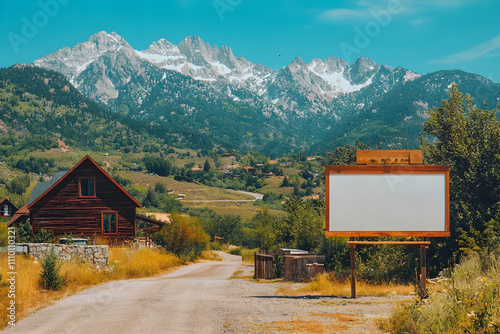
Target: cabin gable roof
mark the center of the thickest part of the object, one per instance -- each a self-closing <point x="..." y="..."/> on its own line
<point x="6" y="201"/>
<point x="45" y="187"/>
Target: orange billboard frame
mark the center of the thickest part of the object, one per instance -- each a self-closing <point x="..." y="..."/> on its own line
<point x="398" y="172"/>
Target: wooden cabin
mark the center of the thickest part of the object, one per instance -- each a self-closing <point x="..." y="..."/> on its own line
<point x="84" y="201"/>
<point x="7" y="209"/>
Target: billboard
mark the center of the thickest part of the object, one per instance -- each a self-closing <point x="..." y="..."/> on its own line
<point x="387" y="200"/>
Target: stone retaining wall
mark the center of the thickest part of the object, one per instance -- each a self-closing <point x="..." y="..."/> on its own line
<point x="96" y="255"/>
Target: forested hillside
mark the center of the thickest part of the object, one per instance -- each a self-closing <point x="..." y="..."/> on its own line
<point x="40" y="110"/>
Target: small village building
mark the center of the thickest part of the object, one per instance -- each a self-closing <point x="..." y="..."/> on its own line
<point x="84" y="201"/>
<point x="7" y="209"/>
<point x="249" y="169"/>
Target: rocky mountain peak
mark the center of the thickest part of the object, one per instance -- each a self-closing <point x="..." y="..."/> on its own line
<point x="163" y="47"/>
<point x="106" y="42"/>
<point x="72" y="62"/>
<point x="334" y="64"/>
<point x="195" y="50"/>
<point x="363" y="69"/>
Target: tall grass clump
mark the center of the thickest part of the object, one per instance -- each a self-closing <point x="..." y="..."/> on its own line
<point x="468" y="303"/>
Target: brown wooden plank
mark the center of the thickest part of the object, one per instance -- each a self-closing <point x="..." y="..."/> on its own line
<point x="381" y="169"/>
<point x="435" y="234"/>
<point x="368" y="157"/>
<point x="388" y="242"/>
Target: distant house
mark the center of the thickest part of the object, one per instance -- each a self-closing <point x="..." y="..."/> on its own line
<point x="84" y="201"/>
<point x="7" y="209"/>
<point x="249" y="169"/>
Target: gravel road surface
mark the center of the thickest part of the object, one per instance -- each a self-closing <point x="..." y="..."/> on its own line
<point x="201" y="298"/>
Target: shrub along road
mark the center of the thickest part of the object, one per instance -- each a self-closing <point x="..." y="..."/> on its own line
<point x="200" y="298"/>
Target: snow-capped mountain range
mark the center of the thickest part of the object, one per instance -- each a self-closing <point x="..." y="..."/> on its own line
<point x="317" y="81"/>
<point x="194" y="84"/>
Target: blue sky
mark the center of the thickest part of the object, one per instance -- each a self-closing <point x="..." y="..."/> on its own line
<point x="421" y="35"/>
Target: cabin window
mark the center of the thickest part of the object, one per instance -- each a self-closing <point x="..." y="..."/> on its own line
<point x="109" y="222"/>
<point x="6" y="210"/>
<point x="87" y="187"/>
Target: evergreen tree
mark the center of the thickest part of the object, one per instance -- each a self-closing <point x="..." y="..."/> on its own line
<point x="206" y="166"/>
<point x="285" y="182"/>
<point x="50" y="277"/>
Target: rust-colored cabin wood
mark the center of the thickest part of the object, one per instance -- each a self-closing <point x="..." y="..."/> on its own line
<point x="63" y="210"/>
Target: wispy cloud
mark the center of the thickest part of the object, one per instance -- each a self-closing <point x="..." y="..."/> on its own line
<point x="344" y="13"/>
<point x="364" y="8"/>
<point x="483" y="50"/>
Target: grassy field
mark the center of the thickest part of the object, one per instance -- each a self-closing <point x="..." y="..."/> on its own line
<point x="193" y="191"/>
<point x="245" y="210"/>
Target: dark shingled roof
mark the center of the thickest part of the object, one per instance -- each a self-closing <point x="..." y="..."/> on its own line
<point x="42" y="187"/>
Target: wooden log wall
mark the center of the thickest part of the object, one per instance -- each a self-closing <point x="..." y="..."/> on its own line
<point x="63" y="211"/>
<point x="264" y="266"/>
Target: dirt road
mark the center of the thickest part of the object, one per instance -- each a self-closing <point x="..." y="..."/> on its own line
<point x="201" y="298"/>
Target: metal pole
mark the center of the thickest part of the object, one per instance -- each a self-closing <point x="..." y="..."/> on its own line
<point x="353" y="270"/>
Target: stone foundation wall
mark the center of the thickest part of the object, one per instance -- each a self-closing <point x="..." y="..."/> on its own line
<point x="96" y="255"/>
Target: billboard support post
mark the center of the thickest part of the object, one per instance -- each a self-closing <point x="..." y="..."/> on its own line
<point x="423" y="270"/>
<point x="353" y="270"/>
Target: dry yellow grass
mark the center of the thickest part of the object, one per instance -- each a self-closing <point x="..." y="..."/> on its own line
<point x="339" y="323"/>
<point x="323" y="286"/>
<point x="210" y="255"/>
<point x="124" y="264"/>
<point x="142" y="262"/>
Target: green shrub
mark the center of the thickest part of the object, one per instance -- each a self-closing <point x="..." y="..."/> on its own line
<point x="247" y="255"/>
<point x="43" y="236"/>
<point x="23" y="232"/>
<point x="19" y="184"/>
<point x="235" y="251"/>
<point x="50" y="277"/>
<point x="183" y="236"/>
<point x="214" y="245"/>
